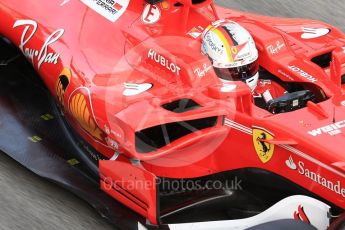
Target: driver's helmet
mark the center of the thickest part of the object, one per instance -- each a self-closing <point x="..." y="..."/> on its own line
<point x="232" y="52"/>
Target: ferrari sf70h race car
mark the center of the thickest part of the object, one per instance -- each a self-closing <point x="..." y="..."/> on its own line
<point x="148" y="117"/>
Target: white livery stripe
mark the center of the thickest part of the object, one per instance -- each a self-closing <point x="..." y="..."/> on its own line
<point x="233" y="122"/>
<point x="238" y="126"/>
<point x="249" y="131"/>
<point x="239" y="130"/>
<point x="309" y="158"/>
<point x="317" y="216"/>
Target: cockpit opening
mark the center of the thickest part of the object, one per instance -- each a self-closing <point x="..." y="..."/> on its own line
<point x="296" y="95"/>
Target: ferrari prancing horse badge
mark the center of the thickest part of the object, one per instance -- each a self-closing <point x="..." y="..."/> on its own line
<point x="263" y="149"/>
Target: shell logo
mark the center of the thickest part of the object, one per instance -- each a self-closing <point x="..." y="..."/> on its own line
<point x="80" y="110"/>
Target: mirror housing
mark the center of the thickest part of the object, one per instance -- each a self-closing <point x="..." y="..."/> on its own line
<point x="237" y="90"/>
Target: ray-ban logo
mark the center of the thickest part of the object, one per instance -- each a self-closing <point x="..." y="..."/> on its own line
<point x="43" y="54"/>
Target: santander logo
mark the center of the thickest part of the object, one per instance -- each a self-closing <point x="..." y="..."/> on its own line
<point x="290" y="163"/>
<point x="301" y="215"/>
<point x="335" y="186"/>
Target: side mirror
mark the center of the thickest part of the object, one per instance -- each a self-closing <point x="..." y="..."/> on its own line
<point x="338" y="58"/>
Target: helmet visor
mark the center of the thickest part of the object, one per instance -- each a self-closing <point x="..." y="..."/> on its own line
<point x="241" y="73"/>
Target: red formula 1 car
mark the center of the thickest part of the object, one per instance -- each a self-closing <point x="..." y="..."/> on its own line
<point x="161" y="129"/>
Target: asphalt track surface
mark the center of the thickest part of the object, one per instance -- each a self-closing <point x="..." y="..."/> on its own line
<point x="29" y="202"/>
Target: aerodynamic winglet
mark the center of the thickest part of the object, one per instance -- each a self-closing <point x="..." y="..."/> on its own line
<point x="277" y="141"/>
<point x="340" y="165"/>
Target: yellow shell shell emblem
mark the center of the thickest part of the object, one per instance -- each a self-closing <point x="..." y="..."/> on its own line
<point x="263" y="149"/>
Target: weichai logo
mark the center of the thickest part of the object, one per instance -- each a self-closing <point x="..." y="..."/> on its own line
<point x="332" y="129"/>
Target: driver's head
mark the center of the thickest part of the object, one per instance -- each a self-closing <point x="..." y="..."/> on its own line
<point x="232" y="51"/>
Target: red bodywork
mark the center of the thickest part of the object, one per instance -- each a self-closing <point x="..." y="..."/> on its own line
<point x="88" y="62"/>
